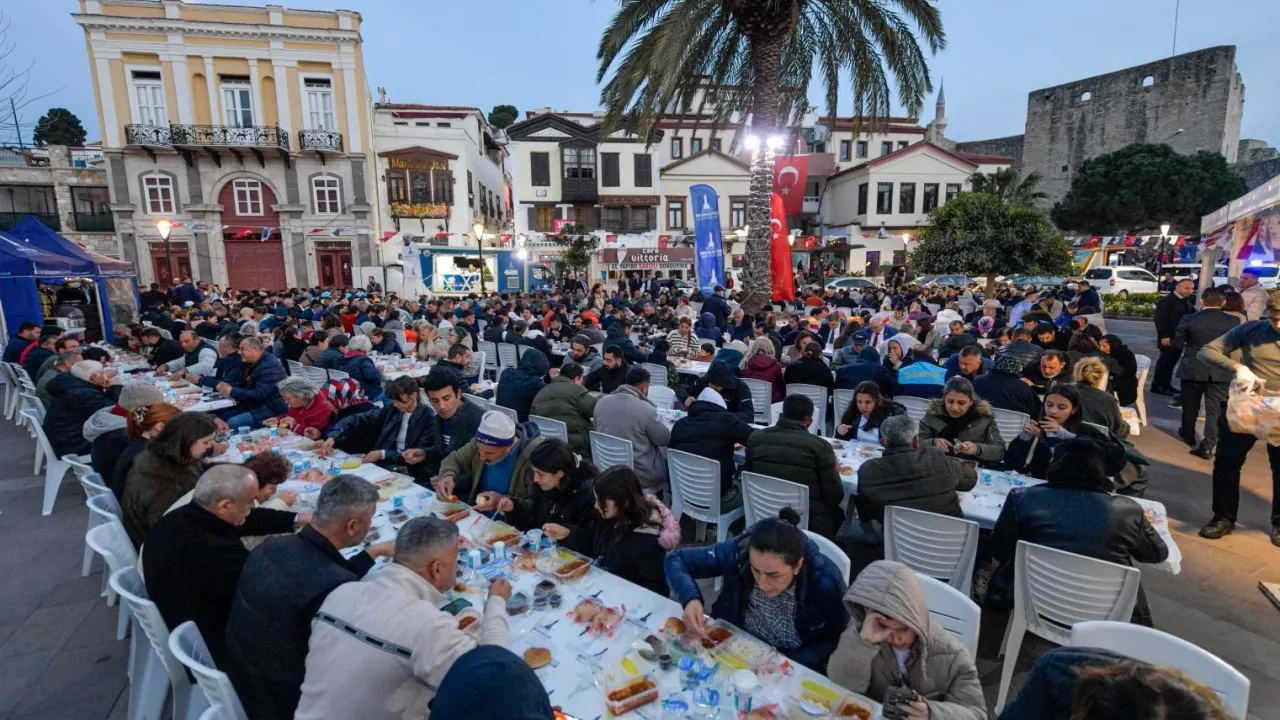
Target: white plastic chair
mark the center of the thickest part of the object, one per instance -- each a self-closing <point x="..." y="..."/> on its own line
<point x="953" y="610"/>
<point x="215" y="713"/>
<point x="832" y="552"/>
<point x="93" y="486"/>
<point x="939" y="546"/>
<point x="695" y="491"/>
<point x="551" y="427"/>
<point x="338" y="375"/>
<point x="1053" y="590"/>
<point x="1144" y="365"/>
<point x="318" y="377"/>
<point x="507" y="356"/>
<point x="662" y="396"/>
<point x="30" y="401"/>
<point x="840" y="401"/>
<point x="608" y="451"/>
<point x="818" y="395"/>
<point x="657" y="374"/>
<point x="488" y="353"/>
<point x="188" y="647"/>
<point x="1161" y="648"/>
<point x="55" y="469"/>
<point x="110" y="541"/>
<point x="402" y="341"/>
<point x="11" y="386"/>
<point x="1010" y="423"/>
<point x="295" y="368"/>
<point x="763" y="496"/>
<point x="761" y="399"/>
<point x="515" y="417"/>
<point x="476" y="400"/>
<point x="147" y="688"/>
<point x="916" y="407"/>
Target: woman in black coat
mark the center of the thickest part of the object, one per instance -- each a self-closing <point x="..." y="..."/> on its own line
<point x="562" y="501"/>
<point x="625" y="538"/>
<point x="810" y="369"/>
<point x="1032" y="450"/>
<point x="1124" y="383"/>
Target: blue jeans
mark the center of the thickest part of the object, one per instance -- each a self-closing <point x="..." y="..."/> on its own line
<point x="240" y="420"/>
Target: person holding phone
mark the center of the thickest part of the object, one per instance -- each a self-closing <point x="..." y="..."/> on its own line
<point x="1031" y="451"/>
<point x="894" y="654"/>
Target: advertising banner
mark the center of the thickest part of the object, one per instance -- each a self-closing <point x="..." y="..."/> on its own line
<point x="706" y="231"/>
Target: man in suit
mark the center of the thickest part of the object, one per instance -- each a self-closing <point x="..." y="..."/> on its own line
<point x="1169" y="312"/>
<point x="1199" y="378"/>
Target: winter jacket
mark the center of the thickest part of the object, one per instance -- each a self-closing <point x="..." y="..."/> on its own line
<point x="153" y="484"/>
<point x="329" y="359"/>
<point x="737" y="398"/>
<point x="379" y="429"/>
<point x="389" y="346"/>
<point x="1031" y="455"/>
<point x="711" y="431"/>
<point x="939" y="667"/>
<point x="122" y="465"/>
<point x="1100" y="407"/>
<point x="718" y="309"/>
<point x="34" y="359"/>
<point x="74" y="401"/>
<point x="1078" y="520"/>
<point x="165" y="352"/>
<point x="853" y="418"/>
<point x="467" y="469"/>
<point x="684" y="347"/>
<point x="1007" y="392"/>
<point x="1040" y="383"/>
<point x="104" y="420"/>
<point x="953" y="368"/>
<point x="255" y="389"/>
<point x="981" y="430"/>
<point x="460" y="431"/>
<point x="923" y="479"/>
<point x="637" y="556"/>
<point x="866" y="367"/>
<point x="571" y="505"/>
<point x="810" y="372"/>
<point x="14" y="348"/>
<point x="706" y="329"/>
<point x="519" y="386"/>
<point x="630" y="353"/>
<point x="1025" y="352"/>
<point x="590" y="362"/>
<point x="626" y="413"/>
<point x="820" y="613"/>
<point x="310" y="356"/>
<point x="572" y="404"/>
<point x="42" y="388"/>
<point x="1048" y="693"/>
<point x="606" y="380"/>
<point x="788" y="451"/>
<point x="361" y="369"/>
<point x="282" y="586"/>
<point x="768" y="369"/>
<point x="319" y="414"/>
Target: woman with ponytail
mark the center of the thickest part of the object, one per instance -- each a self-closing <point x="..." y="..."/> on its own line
<point x="631" y="531"/>
<point x="777" y="586"/>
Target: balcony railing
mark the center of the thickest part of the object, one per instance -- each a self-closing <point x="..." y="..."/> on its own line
<point x="9" y="219"/>
<point x="256" y="136"/>
<point x="320" y="140"/>
<point x="95" y="222"/>
<point x="148" y="135"/>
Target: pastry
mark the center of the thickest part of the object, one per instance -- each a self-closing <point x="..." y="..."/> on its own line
<point x="537" y="657"/>
<point x="674" y="626"/>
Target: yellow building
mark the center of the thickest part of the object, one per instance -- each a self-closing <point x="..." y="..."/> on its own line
<point x="247" y="126"/>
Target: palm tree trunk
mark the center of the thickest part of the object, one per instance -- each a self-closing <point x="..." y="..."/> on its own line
<point x="766" y="58"/>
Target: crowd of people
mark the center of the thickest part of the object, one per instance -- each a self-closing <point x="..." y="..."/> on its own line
<point x="280" y="616"/>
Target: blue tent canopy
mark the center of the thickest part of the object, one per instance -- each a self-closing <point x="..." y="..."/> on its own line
<point x="19" y="259"/>
<point x="42" y="236"/>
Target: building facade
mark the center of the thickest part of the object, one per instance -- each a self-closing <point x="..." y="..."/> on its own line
<point x="248" y="127"/>
<point x="64" y="188"/>
<point x="440" y="169"/>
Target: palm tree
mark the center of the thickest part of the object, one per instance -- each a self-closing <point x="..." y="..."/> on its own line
<point x="1007" y="186"/>
<point x="759" y="56"/>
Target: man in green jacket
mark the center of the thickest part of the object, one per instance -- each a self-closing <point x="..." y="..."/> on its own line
<point x="788" y="451"/>
<point x="565" y="399"/>
<point x="491" y="469"/>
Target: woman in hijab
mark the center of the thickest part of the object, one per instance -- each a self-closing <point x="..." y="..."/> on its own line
<point x="707" y="329"/>
<point x="1124" y="383"/>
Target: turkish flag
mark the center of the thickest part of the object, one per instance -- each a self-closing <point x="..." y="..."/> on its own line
<point x="782" y="277"/>
<point x="663" y="240"/>
<point x="790" y="175"/>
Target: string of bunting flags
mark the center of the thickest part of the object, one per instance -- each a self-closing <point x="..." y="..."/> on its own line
<point x="1090" y="242"/>
<point x="265" y="232"/>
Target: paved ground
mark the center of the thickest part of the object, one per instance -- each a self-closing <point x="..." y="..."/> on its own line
<point x="59" y="657"/>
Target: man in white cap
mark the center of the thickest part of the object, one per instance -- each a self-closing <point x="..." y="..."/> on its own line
<point x="491" y="469"/>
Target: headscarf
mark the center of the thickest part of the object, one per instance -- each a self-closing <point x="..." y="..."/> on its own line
<point x="343" y="394"/>
<point x="1007" y="364"/>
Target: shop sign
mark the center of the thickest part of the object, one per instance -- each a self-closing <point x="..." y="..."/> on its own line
<point x="647" y="258"/>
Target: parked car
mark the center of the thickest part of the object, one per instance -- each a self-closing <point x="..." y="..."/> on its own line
<point x="850" y="283"/>
<point x="942" y="280"/>
<point x="1183" y="271"/>
<point x="1121" y="280"/>
<point x="1038" y="281"/>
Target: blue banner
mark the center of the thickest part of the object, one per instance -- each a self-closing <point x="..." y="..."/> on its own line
<point x="705" y="207"/>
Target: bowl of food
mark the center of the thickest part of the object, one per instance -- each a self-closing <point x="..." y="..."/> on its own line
<point x="498" y="532"/>
<point x="631" y="693"/>
<point x="453" y="512"/>
<point x="563" y="565"/>
<point x="469" y="622"/>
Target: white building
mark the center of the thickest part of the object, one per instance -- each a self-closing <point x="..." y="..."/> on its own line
<point x="439" y="170"/>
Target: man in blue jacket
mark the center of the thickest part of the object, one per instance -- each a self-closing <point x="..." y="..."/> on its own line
<point x="27" y="333"/>
<point x="254" y="390"/>
<point x="719" y="309"/>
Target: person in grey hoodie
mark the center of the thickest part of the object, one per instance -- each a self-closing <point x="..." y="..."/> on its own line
<point x="891" y="641"/>
<point x="628" y="413"/>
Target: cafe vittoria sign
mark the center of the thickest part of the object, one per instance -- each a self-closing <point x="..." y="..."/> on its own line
<point x="647" y="258"/>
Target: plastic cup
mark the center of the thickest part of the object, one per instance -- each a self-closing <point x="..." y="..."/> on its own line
<point x="499" y="551"/>
<point x="533" y="539"/>
<point x="744" y="684"/>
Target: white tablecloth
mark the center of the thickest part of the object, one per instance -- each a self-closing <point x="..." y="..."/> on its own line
<point x="692" y="367"/>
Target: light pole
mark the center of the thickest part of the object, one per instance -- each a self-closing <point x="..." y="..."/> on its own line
<point x="165" y="227"/>
<point x="1164" y="234"/>
<point x="477" y="228"/>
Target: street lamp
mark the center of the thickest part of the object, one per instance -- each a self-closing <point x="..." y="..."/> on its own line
<point x="1164" y="233"/>
<point x="165" y="227"/>
<point x="477" y="229"/>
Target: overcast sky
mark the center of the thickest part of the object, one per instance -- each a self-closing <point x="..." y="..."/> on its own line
<point x="537" y="53"/>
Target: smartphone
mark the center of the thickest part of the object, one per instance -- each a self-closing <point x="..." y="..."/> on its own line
<point x="456" y="606"/>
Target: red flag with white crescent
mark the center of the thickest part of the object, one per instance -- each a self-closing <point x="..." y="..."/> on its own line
<point x="790" y="176"/>
<point x="782" y="276"/>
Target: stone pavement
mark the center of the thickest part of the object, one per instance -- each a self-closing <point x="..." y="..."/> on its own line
<point x="59" y="657"/>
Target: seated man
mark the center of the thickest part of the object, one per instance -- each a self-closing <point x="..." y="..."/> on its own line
<point x="1053" y="368"/>
<point x="567" y="400"/>
<point x="226" y="368"/>
<point x="43" y="349"/>
<point x="612" y="374"/>
<point x="76" y="395"/>
<point x="628" y="413"/>
<point x="64" y="344"/>
<point x="62" y="363"/>
<point x="384" y="342"/>
<point x="711" y="431"/>
<point x="968" y="363"/>
<point x="254" y="389"/>
<point x="396" y="436"/>
<point x="193" y="556"/>
<point x="162" y="349"/>
<point x="198" y="357"/>
<point x="909" y="475"/>
<point x="493" y="467"/>
<point x="460" y="360"/>
<point x="348" y="677"/>
<point x="281" y="587"/>
<point x="788" y="451"/>
<point x="28" y="333"/>
<point x="582" y="353"/>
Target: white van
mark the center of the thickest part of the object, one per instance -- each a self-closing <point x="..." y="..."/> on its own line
<point x="1121" y="280"/>
<point x="1184" y="271"/>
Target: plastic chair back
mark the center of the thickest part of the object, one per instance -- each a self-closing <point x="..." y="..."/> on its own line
<point x="128" y="585"/>
<point x="1055" y="589"/>
<point x="490" y="359"/>
<point x="94" y="486"/>
<point x="916" y="407"/>
<point x="608" y="451"/>
<point x="403" y="341"/>
<point x="939" y="546"/>
<point x="1010" y="423"/>
<point x="761" y="399"/>
<point x="818" y="395"/>
<point x="515" y="417"/>
<point x="31" y="402"/>
<point x="295" y="368"/>
<point x="110" y="541"/>
<point x="763" y="496"/>
<point x="105" y="507"/>
<point x="476" y="400"/>
<point x="662" y="396"/>
<point x="832" y="552"/>
<point x="338" y="375"/>
<point x="36" y="425"/>
<point x="215" y="713"/>
<point x="695" y="486"/>
<point x="521" y="350"/>
<point x="952" y="609"/>
<point x="1161" y="648"/>
<point x="507" y="356"/>
<point x="551" y="427"/>
<point x="317" y="376"/>
<point x="188" y="647"/>
<point x="657" y="374"/>
<point x="840" y="401"/>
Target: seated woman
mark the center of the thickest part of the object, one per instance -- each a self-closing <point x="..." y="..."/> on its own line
<point x="383" y="342"/>
<point x="1031" y="451"/>
<point x="1097" y="405"/>
<point x="360" y="367"/>
<point x="166" y="469"/>
<point x="561" y="501"/>
<point x="307" y="408"/>
<point x="892" y="642"/>
<point x="1074" y="511"/>
<point x="395" y="436"/>
<point x="862" y="418"/>
<point x="430" y="345"/>
<point x="707" y="330"/>
<point x="777" y="586"/>
<point x="1125" y="383"/>
<point x="684" y="343"/>
<point x="760" y="364"/>
<point x="962" y="424"/>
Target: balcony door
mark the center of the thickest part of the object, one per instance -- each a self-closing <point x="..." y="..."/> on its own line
<point x="320" y="104"/>
<point x="237" y="103"/>
<point x="148" y="98"/>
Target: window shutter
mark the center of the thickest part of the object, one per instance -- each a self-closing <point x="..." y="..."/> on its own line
<point x="609" y="170"/>
<point x="533" y="219"/>
<point x="643" y="171"/>
<point x="540" y="165"/>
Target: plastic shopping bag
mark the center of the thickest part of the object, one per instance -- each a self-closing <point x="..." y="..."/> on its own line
<point x="1254" y="411"/>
